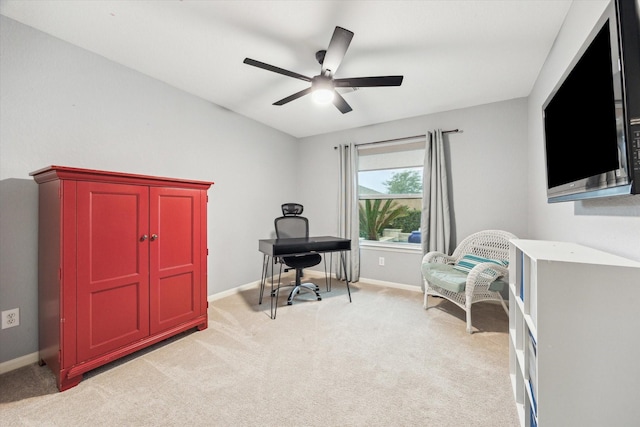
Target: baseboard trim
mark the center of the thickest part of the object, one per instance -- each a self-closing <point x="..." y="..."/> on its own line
<point x="19" y="362"/>
<point x="255" y="284"/>
<point x="232" y="291"/>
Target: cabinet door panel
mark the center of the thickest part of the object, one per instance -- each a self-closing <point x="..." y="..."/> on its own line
<point x="174" y="256"/>
<point x="113" y="269"/>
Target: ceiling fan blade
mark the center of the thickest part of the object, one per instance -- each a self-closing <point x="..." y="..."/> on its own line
<point x="275" y="69"/>
<point x="293" y="97"/>
<point x="369" y="81"/>
<point x="337" y="49"/>
<point x="340" y="103"/>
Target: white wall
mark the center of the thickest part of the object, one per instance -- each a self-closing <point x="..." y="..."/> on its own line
<point x="613" y="224"/>
<point x="62" y="105"/>
<point x="488" y="177"/>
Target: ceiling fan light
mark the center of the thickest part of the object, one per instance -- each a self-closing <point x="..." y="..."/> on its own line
<point x="323" y="96"/>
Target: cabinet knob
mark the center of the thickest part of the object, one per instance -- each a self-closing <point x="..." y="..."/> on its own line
<point x="144" y="237"/>
<point x="154" y="237"/>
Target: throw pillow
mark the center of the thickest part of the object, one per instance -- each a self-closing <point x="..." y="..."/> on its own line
<point x="467" y="262"/>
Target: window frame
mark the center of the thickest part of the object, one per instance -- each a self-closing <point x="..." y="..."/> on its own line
<point x="397" y="146"/>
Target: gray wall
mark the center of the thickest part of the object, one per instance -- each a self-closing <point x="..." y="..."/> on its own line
<point x="611" y="225"/>
<point x="62" y="105"/>
<point x="488" y="177"/>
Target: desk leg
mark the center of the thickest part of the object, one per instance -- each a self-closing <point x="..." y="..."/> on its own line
<point x="266" y="261"/>
<point x="274" y="308"/>
<point x="327" y="276"/>
<point x="273" y="314"/>
<point x="263" y="279"/>
<point x="344" y="268"/>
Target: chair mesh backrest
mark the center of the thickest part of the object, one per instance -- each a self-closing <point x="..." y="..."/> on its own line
<point x="291" y="226"/>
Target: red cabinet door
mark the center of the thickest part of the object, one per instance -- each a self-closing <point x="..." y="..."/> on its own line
<point x="113" y="268"/>
<point x="175" y="256"/>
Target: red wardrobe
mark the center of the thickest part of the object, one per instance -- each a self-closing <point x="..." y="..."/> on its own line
<point x="122" y="264"/>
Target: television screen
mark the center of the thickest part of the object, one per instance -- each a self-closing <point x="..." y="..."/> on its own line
<point x="580" y="120"/>
<point x="592" y="117"/>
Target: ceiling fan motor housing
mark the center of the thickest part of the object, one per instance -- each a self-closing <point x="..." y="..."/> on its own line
<point x="322" y="82"/>
<point x="323" y="89"/>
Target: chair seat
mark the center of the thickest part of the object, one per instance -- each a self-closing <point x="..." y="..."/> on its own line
<point x="302" y="261"/>
<point x="446" y="277"/>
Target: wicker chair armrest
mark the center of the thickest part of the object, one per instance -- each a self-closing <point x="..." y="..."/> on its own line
<point x="483" y="274"/>
<point x="435" y="257"/>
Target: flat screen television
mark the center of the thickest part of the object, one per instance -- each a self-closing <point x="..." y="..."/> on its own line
<point x="592" y="117"/>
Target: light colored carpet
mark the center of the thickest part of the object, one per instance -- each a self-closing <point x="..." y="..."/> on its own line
<point x="381" y="360"/>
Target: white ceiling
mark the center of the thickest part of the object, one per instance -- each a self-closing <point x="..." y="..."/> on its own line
<point x="453" y="54"/>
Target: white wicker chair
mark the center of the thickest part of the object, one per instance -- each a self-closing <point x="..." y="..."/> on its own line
<point x="481" y="283"/>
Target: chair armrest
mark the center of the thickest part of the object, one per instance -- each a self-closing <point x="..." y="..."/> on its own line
<point x="483" y="274"/>
<point x="436" y="257"/>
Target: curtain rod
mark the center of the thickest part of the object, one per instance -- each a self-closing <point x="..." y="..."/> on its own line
<point x="406" y="137"/>
<point x="400" y="139"/>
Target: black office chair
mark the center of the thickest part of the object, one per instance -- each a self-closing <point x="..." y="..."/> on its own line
<point x="291" y="224"/>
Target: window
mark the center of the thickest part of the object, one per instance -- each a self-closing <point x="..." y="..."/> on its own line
<point x="390" y="191"/>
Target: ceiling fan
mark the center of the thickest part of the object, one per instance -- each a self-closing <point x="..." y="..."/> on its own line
<point x="323" y="86"/>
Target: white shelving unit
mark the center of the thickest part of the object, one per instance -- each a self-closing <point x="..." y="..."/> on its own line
<point x="574" y="327"/>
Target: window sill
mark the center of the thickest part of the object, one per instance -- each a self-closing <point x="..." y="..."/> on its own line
<point x="391" y="246"/>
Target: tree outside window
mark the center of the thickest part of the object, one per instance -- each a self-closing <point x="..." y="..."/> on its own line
<point x="391" y="210"/>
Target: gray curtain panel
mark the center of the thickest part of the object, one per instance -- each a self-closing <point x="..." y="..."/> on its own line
<point x="348" y="216"/>
<point x="436" y="218"/>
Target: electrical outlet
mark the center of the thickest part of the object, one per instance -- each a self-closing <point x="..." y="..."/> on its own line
<point x="10" y="318"/>
<point x="381" y="261"/>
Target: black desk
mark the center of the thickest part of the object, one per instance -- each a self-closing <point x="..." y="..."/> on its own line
<point x="276" y="248"/>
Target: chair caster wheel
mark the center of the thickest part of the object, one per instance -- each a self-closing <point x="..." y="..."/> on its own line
<point x="289" y="302"/>
<point x="319" y="298"/>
